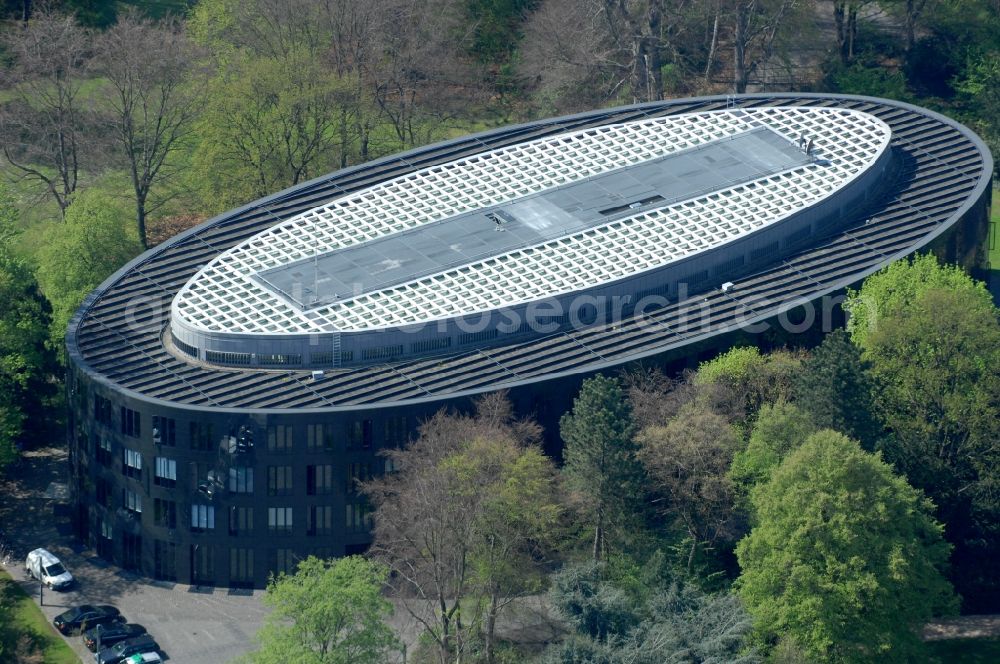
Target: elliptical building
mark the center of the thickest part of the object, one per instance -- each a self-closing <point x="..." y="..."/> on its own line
<point x="230" y="387"/>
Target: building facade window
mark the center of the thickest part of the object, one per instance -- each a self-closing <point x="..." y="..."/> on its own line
<point x="321" y="437"/>
<point x="202" y="518"/>
<point x="131" y="423"/>
<point x="203" y="564"/>
<point x="279" y="480"/>
<point x="279" y="520"/>
<point x="279" y="439"/>
<point x="240" y="521"/>
<point x="164" y="431"/>
<point x="356" y="474"/>
<point x="164" y="560"/>
<point x="131" y="463"/>
<point x="103" y="489"/>
<point x="359" y="435"/>
<point x="164" y="513"/>
<point x="396" y="432"/>
<point x="283" y="561"/>
<point x="319" y="479"/>
<point x="241" y="480"/>
<point x="201" y="436"/>
<point x="102" y="410"/>
<point x="131" y="551"/>
<point x="390" y="465"/>
<point x="103" y="450"/>
<point x="319" y="520"/>
<point x="165" y="474"/>
<point x="240" y="567"/>
<point x="358" y="518"/>
<point x="132" y="502"/>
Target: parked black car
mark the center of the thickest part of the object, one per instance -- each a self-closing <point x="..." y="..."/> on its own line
<point x="86" y="616"/>
<point x="111" y="634"/>
<point x="117" y="653"/>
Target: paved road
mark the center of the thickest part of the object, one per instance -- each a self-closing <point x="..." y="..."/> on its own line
<point x="193" y="625"/>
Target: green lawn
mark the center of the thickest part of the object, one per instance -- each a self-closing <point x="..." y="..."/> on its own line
<point x="19" y="615"/>
<point x="966" y="651"/>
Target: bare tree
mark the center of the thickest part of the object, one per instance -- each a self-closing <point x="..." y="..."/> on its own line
<point x="44" y="125"/>
<point x="757" y="25"/>
<point x="845" y="18"/>
<point x="424" y="78"/>
<point x="462" y="519"/>
<point x="153" y="98"/>
<point x="592" y="51"/>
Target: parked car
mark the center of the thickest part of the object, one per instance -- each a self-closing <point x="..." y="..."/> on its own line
<point x="144" y="658"/>
<point x="111" y="634"/>
<point x="121" y="651"/>
<point x="42" y="565"/>
<point x="86" y="616"/>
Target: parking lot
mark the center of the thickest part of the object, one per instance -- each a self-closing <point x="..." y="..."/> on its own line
<point x="193" y="625"/>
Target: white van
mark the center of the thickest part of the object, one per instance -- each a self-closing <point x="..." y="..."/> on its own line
<point x="42" y="565"/>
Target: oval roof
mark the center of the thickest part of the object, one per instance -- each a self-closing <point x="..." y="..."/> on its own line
<point x="530" y="221"/>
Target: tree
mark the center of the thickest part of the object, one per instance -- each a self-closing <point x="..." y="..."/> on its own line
<point x="934" y="352"/>
<point x="600" y="463"/>
<point x="518" y="524"/>
<point x="675" y="623"/>
<point x="45" y="127"/>
<point x="780" y="428"/>
<point x="95" y="241"/>
<point x="463" y="523"/>
<point x="758" y="25"/>
<point x="25" y="362"/>
<point x="895" y="287"/>
<point x="834" y="388"/>
<point x="845" y="18"/>
<point x="589" y="53"/>
<point x="153" y="99"/>
<point x="743" y="380"/>
<point x="687" y="462"/>
<point x="327" y="612"/>
<point x="275" y="111"/>
<point x="845" y="558"/>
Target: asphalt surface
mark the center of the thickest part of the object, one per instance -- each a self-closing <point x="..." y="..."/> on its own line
<point x="193" y="625"/>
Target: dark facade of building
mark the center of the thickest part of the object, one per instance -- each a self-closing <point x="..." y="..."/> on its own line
<point x="218" y="476"/>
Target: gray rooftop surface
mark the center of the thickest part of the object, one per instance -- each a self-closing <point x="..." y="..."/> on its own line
<point x="566" y="210"/>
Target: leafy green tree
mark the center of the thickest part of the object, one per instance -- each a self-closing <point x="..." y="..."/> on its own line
<point x="517" y="522"/>
<point x="979" y="88"/>
<point x="270" y="123"/>
<point x="744" y="379"/>
<point x="97" y="239"/>
<point x="327" y="612"/>
<point x="845" y="558"/>
<point x="835" y="390"/>
<point x="26" y="364"/>
<point x="935" y="363"/>
<point x="779" y="429"/>
<point x="687" y="462"/>
<point x="600" y="464"/>
<point x="895" y="287"/>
